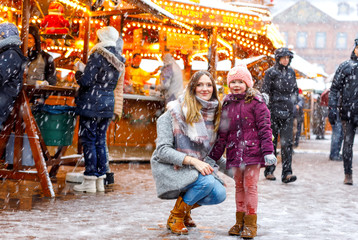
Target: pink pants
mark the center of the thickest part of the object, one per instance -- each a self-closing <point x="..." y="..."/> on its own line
<point x="246" y="188"/>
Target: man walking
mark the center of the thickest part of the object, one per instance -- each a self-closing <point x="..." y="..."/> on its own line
<point x="345" y="84"/>
<point x="281" y="87"/>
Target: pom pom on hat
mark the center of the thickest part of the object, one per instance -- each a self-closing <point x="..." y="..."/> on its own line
<point x="108" y="34"/>
<point x="240" y="72"/>
<point x="8" y="30"/>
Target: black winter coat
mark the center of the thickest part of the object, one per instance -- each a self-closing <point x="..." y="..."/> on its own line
<point x="281" y="87"/>
<point x="345" y="82"/>
<point x="12" y="66"/>
<point x="97" y="83"/>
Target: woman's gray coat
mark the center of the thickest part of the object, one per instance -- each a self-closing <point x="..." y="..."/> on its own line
<point x="169" y="181"/>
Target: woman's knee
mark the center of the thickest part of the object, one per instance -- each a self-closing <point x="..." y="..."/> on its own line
<point x="207" y="182"/>
<point x="220" y="193"/>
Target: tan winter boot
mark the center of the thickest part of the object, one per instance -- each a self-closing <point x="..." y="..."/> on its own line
<point x="88" y="185"/>
<point x="100" y="183"/>
<point x="348" y="180"/>
<point x="176" y="219"/>
<point x="250" y="226"/>
<point x="237" y="228"/>
<point x="188" y="221"/>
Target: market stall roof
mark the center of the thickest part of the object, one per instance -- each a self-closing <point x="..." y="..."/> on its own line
<point x="216" y="13"/>
<point x="302" y="67"/>
<point x="146" y="6"/>
<point x="309" y="84"/>
<point x="248" y="26"/>
<point x="306" y="68"/>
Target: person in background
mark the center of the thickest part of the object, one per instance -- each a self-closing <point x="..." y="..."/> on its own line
<point x="41" y="66"/>
<point x="343" y="101"/>
<point x="135" y="75"/>
<point x="118" y="107"/>
<point x="298" y="119"/>
<point x="185" y="134"/>
<point x="336" y="138"/>
<point x="319" y="119"/>
<point x="12" y="66"/>
<point x="171" y="79"/>
<point x="95" y="105"/>
<point x="245" y="132"/>
<point x="281" y="87"/>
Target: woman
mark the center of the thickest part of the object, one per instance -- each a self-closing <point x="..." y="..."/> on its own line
<point x="12" y="66"/>
<point x="185" y="134"/>
<point x="171" y="79"/>
<point x="95" y="104"/>
<point x="41" y="66"/>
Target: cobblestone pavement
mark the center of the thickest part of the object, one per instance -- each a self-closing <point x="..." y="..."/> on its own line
<point x="317" y="206"/>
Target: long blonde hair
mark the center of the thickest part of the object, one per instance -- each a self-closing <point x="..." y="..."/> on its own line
<point x="193" y="104"/>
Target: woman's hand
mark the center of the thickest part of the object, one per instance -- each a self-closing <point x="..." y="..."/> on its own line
<point x="203" y="167"/>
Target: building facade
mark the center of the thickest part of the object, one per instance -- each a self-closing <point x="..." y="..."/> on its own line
<point x="322" y="32"/>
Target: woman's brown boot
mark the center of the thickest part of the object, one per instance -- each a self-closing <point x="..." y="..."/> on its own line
<point x="237" y="228"/>
<point x="176" y="219"/>
<point x="250" y="226"/>
<point x="188" y="221"/>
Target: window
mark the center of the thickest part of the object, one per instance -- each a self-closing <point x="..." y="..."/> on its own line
<point x="285" y="37"/>
<point x="341" y="41"/>
<point x="320" y="40"/>
<point x="301" y="40"/>
<point x="343" y="9"/>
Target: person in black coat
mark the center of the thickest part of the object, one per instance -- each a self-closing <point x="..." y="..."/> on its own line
<point x="12" y="66"/>
<point x="41" y="66"/>
<point x="281" y="87"/>
<point x="298" y="117"/>
<point x="343" y="100"/>
<point x="95" y="105"/>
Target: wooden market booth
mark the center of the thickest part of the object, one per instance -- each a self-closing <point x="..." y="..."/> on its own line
<point x="68" y="46"/>
<point x="190" y="31"/>
<point x="198" y="32"/>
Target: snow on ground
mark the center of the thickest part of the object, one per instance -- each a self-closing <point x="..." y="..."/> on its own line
<point x="317" y="206"/>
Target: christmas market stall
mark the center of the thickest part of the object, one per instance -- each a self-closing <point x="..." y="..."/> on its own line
<point x="67" y="29"/>
<point x="200" y="33"/>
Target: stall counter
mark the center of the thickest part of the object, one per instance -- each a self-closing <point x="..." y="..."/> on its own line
<point x="137" y="127"/>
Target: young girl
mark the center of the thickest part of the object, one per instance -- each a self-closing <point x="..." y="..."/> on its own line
<point x="245" y="132"/>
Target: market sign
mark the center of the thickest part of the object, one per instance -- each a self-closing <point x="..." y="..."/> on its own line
<point x="183" y="42"/>
<point x="204" y="16"/>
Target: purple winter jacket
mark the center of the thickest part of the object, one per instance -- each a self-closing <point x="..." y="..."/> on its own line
<point x="245" y="132"/>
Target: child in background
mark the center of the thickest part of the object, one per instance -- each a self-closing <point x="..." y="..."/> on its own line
<point x="245" y="132"/>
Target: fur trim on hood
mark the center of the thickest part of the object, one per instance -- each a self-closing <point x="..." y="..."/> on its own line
<point x="10" y="41"/>
<point x="111" y="58"/>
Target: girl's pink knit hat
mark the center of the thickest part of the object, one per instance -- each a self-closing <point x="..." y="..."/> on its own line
<point x="240" y="72"/>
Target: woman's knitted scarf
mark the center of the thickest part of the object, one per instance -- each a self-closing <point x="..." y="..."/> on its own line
<point x="193" y="139"/>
